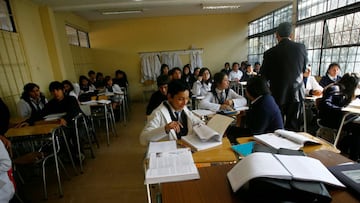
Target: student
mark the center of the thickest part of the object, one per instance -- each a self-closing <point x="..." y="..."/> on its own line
<point x="203" y="85"/>
<point x="332" y="75"/>
<point x="164" y="70"/>
<point x="175" y="73"/>
<point x="92" y="76"/>
<point x="159" y="96"/>
<point x="99" y="84"/>
<point x="194" y="76"/>
<point x="257" y="67"/>
<point x="336" y="96"/>
<point x="312" y="87"/>
<point x="186" y="75"/>
<point x="172" y="119"/>
<point x="31" y="101"/>
<point x="221" y="96"/>
<point x="4" y="124"/>
<point x="85" y="85"/>
<point x="60" y="103"/>
<point x="69" y="88"/>
<point x="226" y="68"/>
<point x="235" y="74"/>
<point x="7" y="188"/>
<point x="121" y="79"/>
<point x="110" y="87"/>
<point x="249" y="72"/>
<point x="263" y="116"/>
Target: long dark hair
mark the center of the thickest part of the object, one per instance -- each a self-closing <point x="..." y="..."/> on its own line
<point x="348" y="84"/>
<point x="202" y="71"/>
<point x="26" y="93"/>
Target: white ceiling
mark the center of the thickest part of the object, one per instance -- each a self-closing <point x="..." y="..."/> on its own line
<point x="90" y="9"/>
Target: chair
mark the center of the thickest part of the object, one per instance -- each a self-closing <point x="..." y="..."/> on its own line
<point x="80" y="117"/>
<point x="41" y="158"/>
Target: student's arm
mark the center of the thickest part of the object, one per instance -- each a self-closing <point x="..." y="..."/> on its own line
<point x="196" y="88"/>
<point x="23" y="109"/>
<point x="238" y="100"/>
<point x="5" y="161"/>
<point x="209" y="103"/>
<point x="154" y="130"/>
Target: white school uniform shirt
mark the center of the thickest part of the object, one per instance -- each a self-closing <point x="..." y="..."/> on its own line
<point x="24" y="109"/>
<point x="116" y="89"/>
<point x="200" y="89"/>
<point x="210" y="102"/>
<point x="154" y="129"/>
<point x="312" y="84"/>
<point x="235" y="75"/>
<point x="7" y="189"/>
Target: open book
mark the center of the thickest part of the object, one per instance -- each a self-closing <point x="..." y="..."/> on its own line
<point x="278" y="166"/>
<point x="171" y="166"/>
<point x="284" y="139"/>
<point x="210" y="135"/>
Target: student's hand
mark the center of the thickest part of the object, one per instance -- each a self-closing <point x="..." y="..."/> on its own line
<point x="63" y="122"/>
<point x="22" y="124"/>
<point x="173" y="125"/>
<point x="225" y="107"/>
<point x="316" y="92"/>
<point x="229" y="102"/>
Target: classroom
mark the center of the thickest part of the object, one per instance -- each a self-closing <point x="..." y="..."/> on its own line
<point x="42" y="41"/>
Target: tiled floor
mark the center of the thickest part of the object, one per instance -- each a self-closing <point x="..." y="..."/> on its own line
<point x="115" y="175"/>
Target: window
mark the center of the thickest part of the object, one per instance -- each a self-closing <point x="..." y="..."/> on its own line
<point x="261" y="32"/>
<point x="310" y="8"/>
<point x="77" y="37"/>
<point x="6" y="18"/>
<point x="333" y="35"/>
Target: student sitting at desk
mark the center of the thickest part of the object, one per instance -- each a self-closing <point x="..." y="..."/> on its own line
<point x="31" y="101"/>
<point x="312" y="87"/>
<point x="249" y="72"/>
<point x="85" y="85"/>
<point x="60" y="103"/>
<point x="236" y="74"/>
<point x="172" y="119"/>
<point x="263" y="116"/>
<point x="335" y="97"/>
<point x="221" y="96"/>
<point x="159" y="96"/>
<point x="203" y="84"/>
<point x="69" y="88"/>
<point x="332" y="75"/>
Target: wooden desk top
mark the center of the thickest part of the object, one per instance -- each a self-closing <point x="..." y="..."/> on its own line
<point x="219" y="154"/>
<point x="31" y="130"/>
<point x="308" y="148"/>
<point x="213" y="185"/>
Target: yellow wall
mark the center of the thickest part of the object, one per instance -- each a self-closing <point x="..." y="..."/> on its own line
<point x="76" y="59"/>
<point x="116" y="43"/>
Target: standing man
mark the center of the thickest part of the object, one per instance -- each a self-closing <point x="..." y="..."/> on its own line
<point x="283" y="67"/>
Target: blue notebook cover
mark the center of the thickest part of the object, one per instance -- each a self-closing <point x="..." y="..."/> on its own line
<point x="244" y="149"/>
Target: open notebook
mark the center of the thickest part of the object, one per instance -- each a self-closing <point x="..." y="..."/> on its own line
<point x="209" y="135"/>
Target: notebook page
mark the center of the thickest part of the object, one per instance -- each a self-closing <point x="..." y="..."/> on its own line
<point x="256" y="165"/>
<point x="307" y="168"/>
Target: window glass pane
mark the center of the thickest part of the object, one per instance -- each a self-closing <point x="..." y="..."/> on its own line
<point x="5" y="17"/>
<point x="72" y="36"/>
<point x="310" y="8"/>
<point x="83" y="37"/>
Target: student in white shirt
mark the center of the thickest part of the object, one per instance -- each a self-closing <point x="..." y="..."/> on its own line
<point x="171" y="119"/>
<point x="235" y="74"/>
<point x="31" y="101"/>
<point x="221" y="96"/>
<point x="7" y="189"/>
<point x="203" y="84"/>
<point x="69" y="88"/>
<point x="312" y="87"/>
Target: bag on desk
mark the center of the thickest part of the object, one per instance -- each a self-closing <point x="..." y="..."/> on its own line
<point x="278" y="190"/>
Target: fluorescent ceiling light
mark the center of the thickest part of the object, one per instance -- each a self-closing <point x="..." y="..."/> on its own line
<point x="215" y="7"/>
<point x="120" y="12"/>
